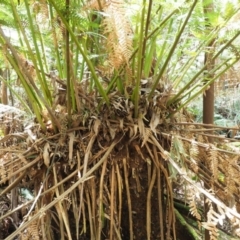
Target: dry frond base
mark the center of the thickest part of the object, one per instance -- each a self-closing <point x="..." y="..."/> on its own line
<point x="107" y="175"/>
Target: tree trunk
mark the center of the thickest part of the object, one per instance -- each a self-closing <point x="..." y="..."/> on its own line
<point x="4" y="96"/>
<point x="208" y="96"/>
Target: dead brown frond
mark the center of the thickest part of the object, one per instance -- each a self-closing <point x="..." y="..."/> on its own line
<point x="118" y="30"/>
<point x="32" y="231"/>
<point x="104" y="170"/>
<point x="40" y="9"/>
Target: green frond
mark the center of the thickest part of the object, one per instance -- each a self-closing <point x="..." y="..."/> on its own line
<point x="6" y="18"/>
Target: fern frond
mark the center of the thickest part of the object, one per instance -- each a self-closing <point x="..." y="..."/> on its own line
<point x="229" y="175"/>
<point x="40" y="9"/>
<point x="192" y="205"/>
<point x="213" y="162"/>
<point x="96" y="4"/>
<point x="32" y="232"/>
<point x="118" y="30"/>
<point x="213" y="218"/>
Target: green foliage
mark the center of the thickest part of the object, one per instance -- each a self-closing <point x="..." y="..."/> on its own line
<point x="169" y="43"/>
